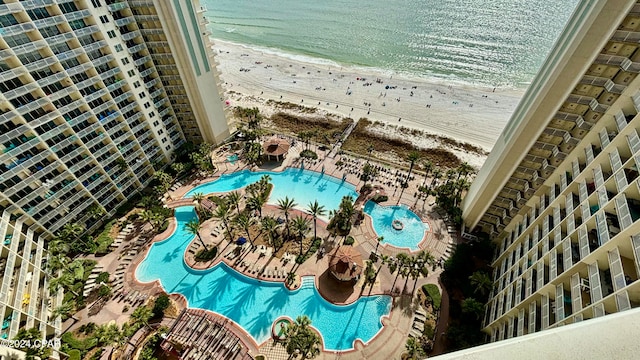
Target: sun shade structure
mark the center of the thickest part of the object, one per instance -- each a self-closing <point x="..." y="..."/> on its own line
<point x="277" y="148"/>
<point x="346" y="264"/>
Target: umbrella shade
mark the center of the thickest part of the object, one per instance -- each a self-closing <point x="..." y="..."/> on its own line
<point x="241" y="240"/>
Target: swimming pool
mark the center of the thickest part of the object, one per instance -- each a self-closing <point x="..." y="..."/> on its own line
<point x="254" y="304"/>
<point x="413" y="229"/>
<point x="304" y="186"/>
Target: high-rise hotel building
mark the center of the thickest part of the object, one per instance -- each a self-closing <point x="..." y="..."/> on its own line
<point x="94" y="97"/>
<point x="560" y="194"/>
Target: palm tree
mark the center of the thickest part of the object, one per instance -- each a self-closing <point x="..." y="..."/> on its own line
<point x="437" y="174"/>
<point x="145" y="215"/>
<point x="473" y="307"/>
<point x="315" y="210"/>
<point x="198" y="197"/>
<point x="256" y="202"/>
<point x="245" y="222"/>
<point x="222" y="214"/>
<point x="270" y="225"/>
<point x="285" y="205"/>
<point x="233" y="198"/>
<point x="450" y="175"/>
<point x="301" y="339"/>
<point x="412" y="158"/>
<point x="368" y="173"/>
<point x="63" y="310"/>
<point x="427" y="166"/>
<point x="141" y="315"/>
<point x="301" y="226"/>
<point x="464" y="169"/>
<point x="193" y="227"/>
<point x="65" y="281"/>
<point x="414" y="349"/>
<point x="482" y="282"/>
<point x="379" y="240"/>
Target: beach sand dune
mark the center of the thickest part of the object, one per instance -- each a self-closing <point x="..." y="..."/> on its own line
<point x="466" y="113"/>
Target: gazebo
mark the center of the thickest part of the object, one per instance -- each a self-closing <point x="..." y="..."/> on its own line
<point x="277" y="148"/>
<point x="346" y="264"/>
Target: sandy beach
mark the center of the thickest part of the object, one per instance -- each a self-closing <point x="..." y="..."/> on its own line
<point x="466" y="113"/>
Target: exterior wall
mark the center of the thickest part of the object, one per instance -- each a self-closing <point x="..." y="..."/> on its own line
<point x="88" y="111"/>
<point x="191" y="55"/>
<point x="559" y="194"/>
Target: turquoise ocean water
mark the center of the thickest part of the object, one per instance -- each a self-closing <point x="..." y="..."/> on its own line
<point x="485" y="42"/>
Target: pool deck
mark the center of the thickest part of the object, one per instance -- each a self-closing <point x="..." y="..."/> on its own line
<point x="389" y="343"/>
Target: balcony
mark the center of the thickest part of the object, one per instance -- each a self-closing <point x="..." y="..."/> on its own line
<point x="50" y="21"/>
<point x="36" y="65"/>
<point x="142" y="60"/>
<point x="117" y="6"/>
<point x="22" y="90"/>
<point x="10" y="8"/>
<point x="630" y="66"/>
<point x="11" y="74"/>
<point x="124" y="21"/>
<point x="130" y="35"/>
<point x="136" y="48"/>
<point x="17" y="29"/>
<point x="95" y="46"/>
<point x="92" y="29"/>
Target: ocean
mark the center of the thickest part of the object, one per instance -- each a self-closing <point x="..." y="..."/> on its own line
<point x="483" y="42"/>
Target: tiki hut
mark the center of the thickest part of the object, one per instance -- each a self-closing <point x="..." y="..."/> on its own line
<point x="346" y="264"/>
<point x="276" y="148"/>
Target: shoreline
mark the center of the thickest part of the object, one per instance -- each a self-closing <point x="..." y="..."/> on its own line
<point x="464" y="112"/>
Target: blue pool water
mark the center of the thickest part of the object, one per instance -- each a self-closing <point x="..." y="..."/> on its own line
<point x="232" y="158"/>
<point x="413" y="229"/>
<point x="304" y="186"/>
<point x="254" y="304"/>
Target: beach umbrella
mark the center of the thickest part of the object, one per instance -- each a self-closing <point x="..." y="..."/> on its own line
<point x="241" y="240"/>
<point x="227" y="102"/>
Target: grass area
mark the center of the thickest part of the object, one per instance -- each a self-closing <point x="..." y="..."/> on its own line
<point x="291" y="106"/>
<point x="328" y="131"/>
<point x="432" y="291"/>
<point x="361" y="139"/>
<point x="104" y="240"/>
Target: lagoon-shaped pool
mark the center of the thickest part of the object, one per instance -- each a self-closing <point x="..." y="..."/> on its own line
<point x="255" y="304"/>
<point x="408" y="235"/>
<point x="303" y="186"/>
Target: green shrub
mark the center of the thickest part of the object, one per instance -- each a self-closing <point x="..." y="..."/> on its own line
<point x="315" y="245"/>
<point x="204" y="255"/>
<point x="428" y="331"/>
<point x="103" y="277"/>
<point x="308" y="154"/>
<point x="104" y="291"/>
<point x="379" y="198"/>
<point x="349" y="240"/>
<point x="432" y="291"/>
<point x="75" y="355"/>
<point x="162" y="302"/>
<point x="103" y="240"/>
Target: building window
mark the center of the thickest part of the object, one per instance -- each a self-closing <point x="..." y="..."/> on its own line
<point x="167" y="147"/>
<point x="164" y="140"/>
<point x="155" y="123"/>
<point x="152" y="114"/>
<point x="160" y="132"/>
<point x="96" y="3"/>
<point x="147" y="105"/>
<point x="131" y="73"/>
<point x="125" y="61"/>
<point x="111" y="34"/>
<point x="142" y="95"/>
<point x="118" y="47"/>
<point x="136" y="84"/>
<point x="104" y="19"/>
